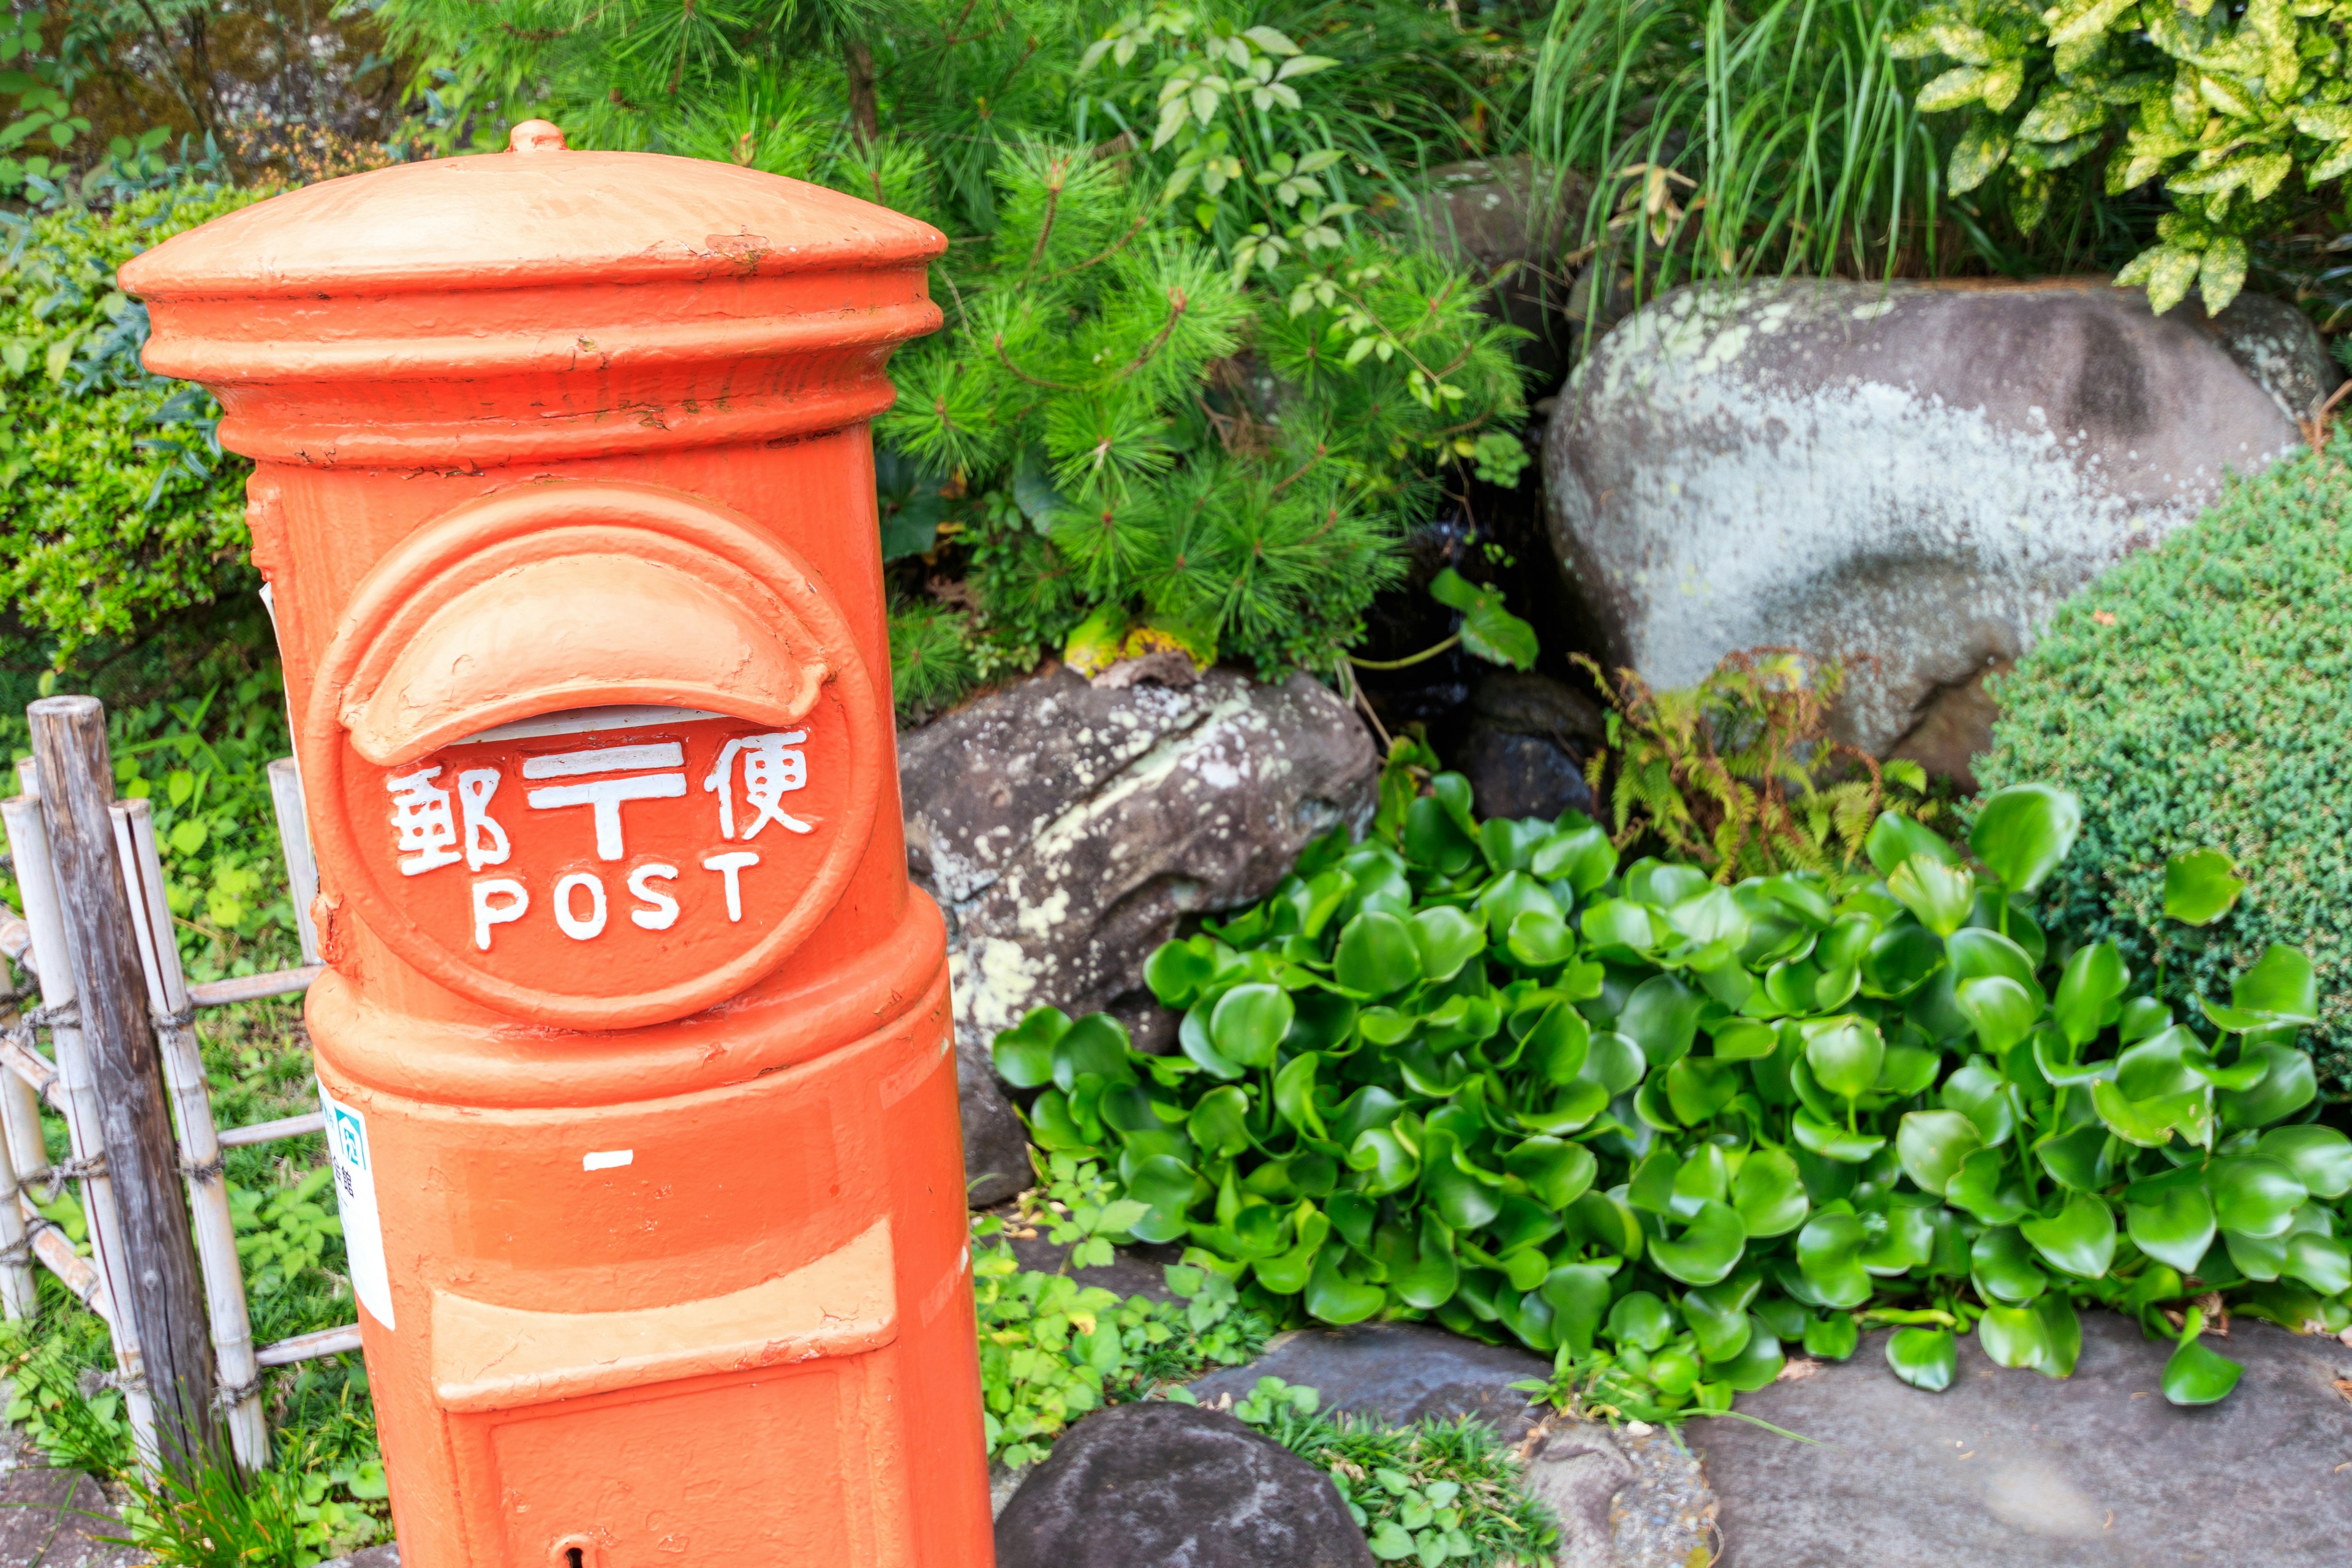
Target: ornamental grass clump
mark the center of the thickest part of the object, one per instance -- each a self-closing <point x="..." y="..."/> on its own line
<point x="2195" y="696"/>
<point x="1485" y="1074"/>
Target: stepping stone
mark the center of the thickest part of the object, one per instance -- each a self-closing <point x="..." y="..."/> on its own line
<point x="1396" y="1371"/>
<point x="2012" y="1469"/>
<point x="51" y="1517"/>
<point x="1625" y="1498"/>
<point x="1141" y="1485"/>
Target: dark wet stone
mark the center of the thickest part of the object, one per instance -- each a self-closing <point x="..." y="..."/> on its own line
<point x="1397" y="1372"/>
<point x="2014" y="1469"/>
<point x="1170" y="1485"/>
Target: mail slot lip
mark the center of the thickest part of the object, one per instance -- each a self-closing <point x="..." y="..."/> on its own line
<point x="538" y="518"/>
<point x="488" y="1357"/>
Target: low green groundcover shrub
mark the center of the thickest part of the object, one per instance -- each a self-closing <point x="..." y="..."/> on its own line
<point x="116" y="506"/>
<point x="1484" y="1074"/>
<point x="2195" y="696"/>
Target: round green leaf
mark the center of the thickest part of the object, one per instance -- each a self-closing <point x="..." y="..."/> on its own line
<point x="1096" y="1043"/>
<point x="1559" y="1044"/>
<point x="1833" y="1337"/>
<point x="2254" y="1195"/>
<point x="2285" y="1088"/>
<point x="2001" y="1011"/>
<point x="1757" y="1365"/>
<point x="1845" y="1055"/>
<point x="1708" y="1249"/>
<point x="1380" y="1156"/>
<point x="1580" y="855"/>
<point x="1377" y="954"/>
<point x="1178" y="970"/>
<point x="1900" y="959"/>
<point x="1250" y="1021"/>
<point x="1642" y="1320"/>
<point x="1614" y="1062"/>
<point x="1218" y="1123"/>
<point x="1699" y="1086"/>
<point x="2001" y="1265"/>
<point x="1023" y="1054"/>
<point x="1540" y="938"/>
<point x="1163" y="1182"/>
<point x="2079" y="1239"/>
<point x="1718" y="1318"/>
<point x="1445" y="938"/>
<point x="2195" y="1375"/>
<point x="1923" y="1358"/>
<point x="2281" y="985"/>
<point x="1990" y="1187"/>
<point x="1932" y="1145"/>
<point x="2089" y="992"/>
<point x="1829" y="1252"/>
<point x="1192" y="1039"/>
<point x="1578" y="1294"/>
<point x="2320" y="1157"/>
<point x="1429" y="1278"/>
<point x="1662" y="1018"/>
<point x="1769" y="1194"/>
<point x="2320" y="1262"/>
<point x="1940" y="895"/>
<point x="2024" y="832"/>
<point x="2174" y="1226"/>
<point x="2082" y="1159"/>
<point x="1336" y="1298"/>
<point x="1831" y="1140"/>
<point x="1463" y="1201"/>
<point x="2199" y="886"/>
<point x="2013" y="1336"/>
<point x="1894" y="839"/>
<point x="1555" y="1171"/>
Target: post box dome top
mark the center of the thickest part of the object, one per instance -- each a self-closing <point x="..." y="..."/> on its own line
<point x="534" y="216"/>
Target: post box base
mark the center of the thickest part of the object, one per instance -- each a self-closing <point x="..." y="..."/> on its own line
<point x="626" y="1331"/>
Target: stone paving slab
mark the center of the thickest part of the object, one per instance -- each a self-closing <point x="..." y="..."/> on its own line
<point x="51" y="1517"/>
<point x="2012" y="1469"/>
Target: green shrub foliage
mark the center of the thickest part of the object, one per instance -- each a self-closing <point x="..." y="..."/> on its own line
<point x="116" y="503"/>
<point x="2237" y="109"/>
<point x="2195" y="695"/>
<point x="1482" y="1073"/>
<point x="1185" y="396"/>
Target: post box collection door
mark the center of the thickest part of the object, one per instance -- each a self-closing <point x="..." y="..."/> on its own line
<point x="635" y="1044"/>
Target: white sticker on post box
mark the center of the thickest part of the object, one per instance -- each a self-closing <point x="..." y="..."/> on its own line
<point x="355" y="1161"/>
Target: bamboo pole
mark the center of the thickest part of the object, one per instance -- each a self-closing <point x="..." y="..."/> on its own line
<point x="161" y="1285"/>
<point x="200" y="1149"/>
<point x="294" y="843"/>
<point x="57" y="1254"/>
<point x="20" y="1112"/>
<point x="28" y="845"/>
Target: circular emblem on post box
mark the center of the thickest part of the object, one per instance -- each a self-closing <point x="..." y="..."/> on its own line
<point x="596" y="755"/>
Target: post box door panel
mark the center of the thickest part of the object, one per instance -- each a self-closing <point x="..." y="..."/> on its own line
<point x="662" y="1481"/>
<point x="624" y="1433"/>
<point x="604" y="732"/>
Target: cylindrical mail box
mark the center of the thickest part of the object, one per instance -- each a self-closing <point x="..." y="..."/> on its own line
<point x="635" y="1044"/>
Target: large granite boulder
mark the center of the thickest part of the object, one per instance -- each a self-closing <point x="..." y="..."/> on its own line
<point x="2011" y="1467"/>
<point x="1903" y="477"/>
<point x="1066" y="827"/>
<point x="1138" y="1486"/>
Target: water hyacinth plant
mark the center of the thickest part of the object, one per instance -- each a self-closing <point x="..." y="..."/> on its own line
<point x="1482" y="1073"/>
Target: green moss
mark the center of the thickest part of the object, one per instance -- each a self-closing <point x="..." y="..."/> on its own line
<point x="2197" y="695"/>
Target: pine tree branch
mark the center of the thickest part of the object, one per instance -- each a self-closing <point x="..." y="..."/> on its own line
<point x="1006" y="360"/>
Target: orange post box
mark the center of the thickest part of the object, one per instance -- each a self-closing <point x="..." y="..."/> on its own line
<point x="634" y="1042"/>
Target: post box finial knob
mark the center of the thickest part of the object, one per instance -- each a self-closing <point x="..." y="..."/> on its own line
<point x="536" y="136"/>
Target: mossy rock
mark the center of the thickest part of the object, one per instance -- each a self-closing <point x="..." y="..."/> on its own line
<point x="2200" y="694"/>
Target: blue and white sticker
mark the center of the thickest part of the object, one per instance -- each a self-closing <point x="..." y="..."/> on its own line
<point x="355" y="1161"/>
